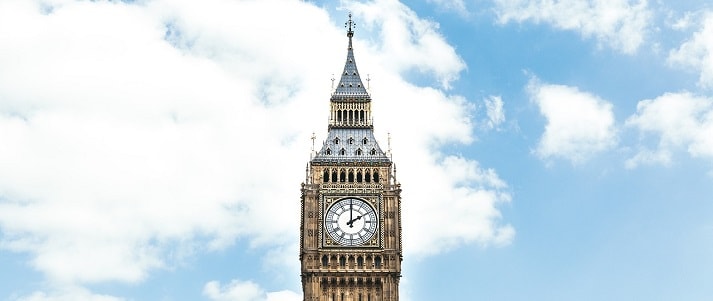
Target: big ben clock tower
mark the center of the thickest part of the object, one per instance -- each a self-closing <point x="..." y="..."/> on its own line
<point x="350" y="232"/>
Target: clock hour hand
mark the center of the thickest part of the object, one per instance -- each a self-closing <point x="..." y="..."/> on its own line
<point x="351" y="222"/>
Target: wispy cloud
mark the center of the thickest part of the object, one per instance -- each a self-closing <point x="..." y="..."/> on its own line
<point x="697" y="52"/>
<point x="619" y="24"/>
<point x="579" y="124"/>
<point x="678" y="121"/>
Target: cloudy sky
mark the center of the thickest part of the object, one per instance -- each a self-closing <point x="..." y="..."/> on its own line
<point x="547" y="150"/>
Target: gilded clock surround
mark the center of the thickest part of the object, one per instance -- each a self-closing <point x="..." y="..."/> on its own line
<point x="373" y="200"/>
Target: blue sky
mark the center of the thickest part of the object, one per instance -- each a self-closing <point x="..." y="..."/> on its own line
<point x="558" y="150"/>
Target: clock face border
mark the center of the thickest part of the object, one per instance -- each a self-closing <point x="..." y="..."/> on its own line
<point x="376" y="240"/>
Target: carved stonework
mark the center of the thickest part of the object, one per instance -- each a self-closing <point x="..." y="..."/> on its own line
<point x="350" y="231"/>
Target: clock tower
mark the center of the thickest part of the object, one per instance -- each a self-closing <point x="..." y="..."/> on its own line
<point x="350" y="228"/>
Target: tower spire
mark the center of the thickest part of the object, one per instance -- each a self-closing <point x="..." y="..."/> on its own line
<point x="350" y="85"/>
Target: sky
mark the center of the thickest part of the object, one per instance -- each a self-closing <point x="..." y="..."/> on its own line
<point x="547" y="150"/>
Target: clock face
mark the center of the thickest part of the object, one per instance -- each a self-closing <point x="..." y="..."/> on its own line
<point x="351" y="222"/>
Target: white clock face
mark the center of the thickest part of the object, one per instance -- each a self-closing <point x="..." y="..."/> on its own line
<point x="351" y="222"/>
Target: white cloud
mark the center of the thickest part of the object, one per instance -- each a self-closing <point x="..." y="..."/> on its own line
<point x="455" y="5"/>
<point x="167" y="128"/>
<point x="125" y="152"/>
<point x="579" y="124"/>
<point x="620" y="24"/>
<point x="494" y="110"/>
<point x="677" y="120"/>
<point x="697" y="52"/>
<point x="408" y="43"/>
<point x="238" y="290"/>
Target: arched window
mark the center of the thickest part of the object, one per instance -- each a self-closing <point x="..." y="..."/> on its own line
<point x="358" y="151"/>
<point x="367" y="177"/>
<point x="325" y="177"/>
<point x="325" y="261"/>
<point x="351" y="116"/>
<point x="339" y="116"/>
<point x="360" y="261"/>
<point x="365" y="141"/>
<point x="328" y="151"/>
<point x="359" y="178"/>
<point x="376" y="176"/>
<point x="342" y="261"/>
<point x="342" y="176"/>
<point x="342" y="152"/>
<point x="351" y="175"/>
<point x="361" y="116"/>
<point x="334" y="175"/>
<point x="377" y="262"/>
<point x="336" y="140"/>
<point x="351" y="140"/>
<point x="373" y="152"/>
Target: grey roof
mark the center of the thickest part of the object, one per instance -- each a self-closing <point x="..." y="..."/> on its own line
<point x="350" y="143"/>
<point x="350" y="84"/>
<point x="337" y="148"/>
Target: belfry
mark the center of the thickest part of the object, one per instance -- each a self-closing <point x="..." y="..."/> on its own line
<point x="350" y="227"/>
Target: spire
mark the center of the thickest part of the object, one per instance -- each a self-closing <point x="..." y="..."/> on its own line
<point x="350" y="85"/>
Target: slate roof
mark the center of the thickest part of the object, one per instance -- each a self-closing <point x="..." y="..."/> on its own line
<point x="350" y="143"/>
<point x="350" y="84"/>
<point x="337" y="148"/>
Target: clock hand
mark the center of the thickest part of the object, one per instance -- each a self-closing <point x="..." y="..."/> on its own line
<point x="351" y="222"/>
<point x="350" y="213"/>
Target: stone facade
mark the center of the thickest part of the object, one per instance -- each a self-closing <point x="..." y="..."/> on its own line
<point x="350" y="231"/>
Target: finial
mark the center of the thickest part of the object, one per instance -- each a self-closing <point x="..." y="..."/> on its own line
<point x="332" y="82"/>
<point x="368" y="82"/>
<point x="389" y="143"/>
<point x="313" y="137"/>
<point x="350" y="25"/>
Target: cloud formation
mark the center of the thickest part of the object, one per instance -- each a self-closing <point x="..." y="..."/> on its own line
<point x="408" y="43"/>
<point x="579" y="124"/>
<point x="697" y="52"/>
<point x="677" y="121"/>
<point x="494" y="111"/>
<point x="619" y="24"/>
<point x="238" y="290"/>
<point x="165" y="130"/>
